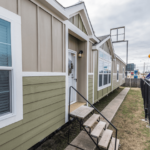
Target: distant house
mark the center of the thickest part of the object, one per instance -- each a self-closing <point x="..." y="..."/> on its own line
<point x="44" y="49"/>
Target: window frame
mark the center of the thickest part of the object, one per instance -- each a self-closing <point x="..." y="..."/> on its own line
<point x="117" y="72"/>
<point x="16" y="113"/>
<point x="10" y="69"/>
<point x="110" y="63"/>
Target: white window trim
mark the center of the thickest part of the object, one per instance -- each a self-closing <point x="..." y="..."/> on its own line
<point x="16" y="69"/>
<point x="123" y="73"/>
<point x="117" y="72"/>
<point x="107" y="85"/>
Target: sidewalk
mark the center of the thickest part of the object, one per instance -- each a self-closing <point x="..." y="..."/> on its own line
<point x="111" y="109"/>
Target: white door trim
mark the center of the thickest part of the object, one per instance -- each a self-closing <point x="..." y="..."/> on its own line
<point x="74" y="52"/>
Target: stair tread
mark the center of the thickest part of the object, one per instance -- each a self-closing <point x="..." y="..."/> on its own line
<point x="98" y="129"/>
<point x="90" y="122"/>
<point x="105" y="138"/>
<point x="82" y="112"/>
<point x="112" y="144"/>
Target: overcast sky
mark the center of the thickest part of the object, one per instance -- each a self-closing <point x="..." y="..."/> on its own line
<point x="133" y="14"/>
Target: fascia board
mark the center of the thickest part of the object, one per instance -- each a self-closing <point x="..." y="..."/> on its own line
<point x="112" y="48"/>
<point x="56" y="8"/>
<point x="81" y="35"/>
<point x="74" y="9"/>
<point x="93" y="38"/>
<point x="78" y="8"/>
<point x="101" y="43"/>
<point x="120" y="59"/>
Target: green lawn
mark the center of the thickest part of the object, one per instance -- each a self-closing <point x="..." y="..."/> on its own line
<point x="132" y="132"/>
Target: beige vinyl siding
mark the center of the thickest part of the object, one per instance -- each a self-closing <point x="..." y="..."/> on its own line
<point x="57" y="46"/>
<point x="105" y="47"/>
<point x="73" y="43"/>
<point x="82" y="71"/>
<point x="77" y="21"/>
<point x="90" y="89"/>
<point x="115" y="83"/>
<point x="29" y="36"/>
<point x="121" y="80"/>
<point x="90" y="61"/>
<point x="43" y="113"/>
<point x="45" y="25"/>
<point x="11" y="5"/>
<point x="43" y="36"/>
<point x="71" y="20"/>
<point x="95" y="61"/>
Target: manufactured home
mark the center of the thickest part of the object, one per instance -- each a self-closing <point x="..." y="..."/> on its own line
<point x="44" y="49"/>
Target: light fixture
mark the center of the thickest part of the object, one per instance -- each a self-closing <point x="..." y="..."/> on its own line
<point x="80" y="54"/>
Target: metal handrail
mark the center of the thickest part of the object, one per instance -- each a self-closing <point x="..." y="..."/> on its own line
<point x="146" y="81"/>
<point x="147" y="111"/>
<point x="94" y="108"/>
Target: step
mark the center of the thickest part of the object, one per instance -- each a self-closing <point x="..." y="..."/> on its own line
<point x="98" y="129"/>
<point x="112" y="144"/>
<point x="82" y="112"/>
<point x="83" y="141"/>
<point x="104" y="142"/>
<point x="92" y="120"/>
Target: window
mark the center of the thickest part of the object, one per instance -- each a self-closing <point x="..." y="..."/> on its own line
<point x="117" y="72"/>
<point x="5" y="61"/>
<point x="104" y="70"/>
<point x="123" y="73"/>
<point x="11" y="101"/>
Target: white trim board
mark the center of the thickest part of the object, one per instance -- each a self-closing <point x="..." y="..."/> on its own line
<point x="66" y="96"/>
<point x="101" y="43"/>
<point x="76" y="31"/>
<point x="90" y="73"/>
<point x="110" y="45"/>
<point x="35" y="74"/>
<point x="16" y="69"/>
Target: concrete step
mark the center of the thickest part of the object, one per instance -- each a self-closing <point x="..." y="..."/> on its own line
<point x="92" y="120"/>
<point x="83" y="141"/>
<point x="106" y="137"/>
<point x="97" y="131"/>
<point x="82" y="112"/>
<point x="112" y="144"/>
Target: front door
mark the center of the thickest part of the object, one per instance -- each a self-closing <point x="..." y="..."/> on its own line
<point x="72" y="74"/>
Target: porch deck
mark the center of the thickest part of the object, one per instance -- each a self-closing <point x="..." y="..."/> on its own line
<point x="76" y="105"/>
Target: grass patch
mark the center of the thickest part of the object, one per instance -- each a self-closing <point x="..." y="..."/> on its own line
<point x="132" y="132"/>
<point x="107" y="99"/>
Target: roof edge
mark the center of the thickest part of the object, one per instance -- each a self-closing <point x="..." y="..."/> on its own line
<point x="120" y="58"/>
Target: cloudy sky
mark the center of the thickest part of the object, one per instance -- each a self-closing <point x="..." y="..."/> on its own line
<point x="133" y="14"/>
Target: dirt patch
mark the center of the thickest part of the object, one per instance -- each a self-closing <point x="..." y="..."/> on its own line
<point x="136" y="89"/>
<point x="132" y="132"/>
